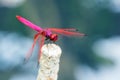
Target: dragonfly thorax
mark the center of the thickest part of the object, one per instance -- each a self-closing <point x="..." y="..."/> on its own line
<point x="53" y="37"/>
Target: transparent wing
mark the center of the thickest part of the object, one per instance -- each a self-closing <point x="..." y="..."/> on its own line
<point x="67" y="32"/>
<point x="41" y="44"/>
<point x="66" y="29"/>
<point x="28" y="55"/>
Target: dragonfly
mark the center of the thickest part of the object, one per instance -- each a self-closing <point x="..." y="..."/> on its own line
<point x="46" y="34"/>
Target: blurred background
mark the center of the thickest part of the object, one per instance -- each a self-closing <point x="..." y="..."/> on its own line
<point x="93" y="57"/>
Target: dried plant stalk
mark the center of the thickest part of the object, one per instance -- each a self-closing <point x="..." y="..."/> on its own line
<point x="49" y="62"/>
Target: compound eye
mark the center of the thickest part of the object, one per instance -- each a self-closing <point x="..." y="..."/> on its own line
<point x="53" y="37"/>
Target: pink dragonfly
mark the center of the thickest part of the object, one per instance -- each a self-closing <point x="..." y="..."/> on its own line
<point x="46" y="34"/>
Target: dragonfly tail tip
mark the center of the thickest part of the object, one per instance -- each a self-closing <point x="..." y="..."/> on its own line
<point x="17" y="16"/>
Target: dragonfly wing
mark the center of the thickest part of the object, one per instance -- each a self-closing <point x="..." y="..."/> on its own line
<point x="33" y="45"/>
<point x="66" y="29"/>
<point x="67" y="32"/>
<point x="41" y="44"/>
<point x="28" y="23"/>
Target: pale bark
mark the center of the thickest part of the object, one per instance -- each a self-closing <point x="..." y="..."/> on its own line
<point x="49" y="62"/>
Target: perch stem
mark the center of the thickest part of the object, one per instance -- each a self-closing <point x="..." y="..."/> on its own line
<point x="49" y="62"/>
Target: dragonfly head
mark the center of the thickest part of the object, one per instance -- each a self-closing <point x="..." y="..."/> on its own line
<point x="53" y="37"/>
